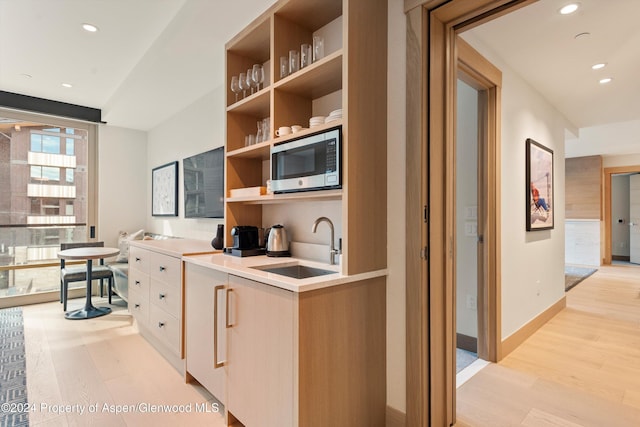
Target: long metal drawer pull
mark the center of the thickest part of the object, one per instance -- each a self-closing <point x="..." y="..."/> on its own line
<point x="216" y="364"/>
<point x="227" y="324"/>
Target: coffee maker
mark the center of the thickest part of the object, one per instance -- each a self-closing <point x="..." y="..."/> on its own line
<point x="245" y="241"/>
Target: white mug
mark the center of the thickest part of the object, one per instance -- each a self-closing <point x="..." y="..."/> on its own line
<point x="296" y="128"/>
<point x="283" y="130"/>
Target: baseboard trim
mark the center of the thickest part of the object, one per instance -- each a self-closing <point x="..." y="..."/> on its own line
<point x="621" y="257"/>
<point x="514" y="340"/>
<point x="395" y="418"/>
<point x="465" y="342"/>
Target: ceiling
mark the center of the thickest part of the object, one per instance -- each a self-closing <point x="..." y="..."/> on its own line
<point x="152" y="58"/>
<point x="540" y="44"/>
<point x="149" y="59"/>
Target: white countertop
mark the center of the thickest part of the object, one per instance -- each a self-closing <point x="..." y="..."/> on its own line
<point x="175" y="247"/>
<point x="242" y="266"/>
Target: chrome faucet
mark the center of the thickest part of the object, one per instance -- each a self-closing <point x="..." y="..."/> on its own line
<point x="332" y="250"/>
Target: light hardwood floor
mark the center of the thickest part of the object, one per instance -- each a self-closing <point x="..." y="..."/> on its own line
<point x="582" y="368"/>
<point x="103" y="361"/>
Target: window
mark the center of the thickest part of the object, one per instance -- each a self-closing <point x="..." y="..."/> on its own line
<point x="50" y="199"/>
<point x="45" y="173"/>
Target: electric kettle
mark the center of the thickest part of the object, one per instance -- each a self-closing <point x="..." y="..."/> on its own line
<point x="277" y="242"/>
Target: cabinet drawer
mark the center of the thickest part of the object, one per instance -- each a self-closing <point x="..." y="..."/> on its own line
<point x="139" y="259"/>
<point x="166" y="296"/>
<point x="165" y="268"/>
<point x="139" y="307"/>
<point x="165" y="326"/>
<point x="139" y="282"/>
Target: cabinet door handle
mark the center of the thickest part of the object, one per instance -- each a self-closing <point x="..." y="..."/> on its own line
<point x="137" y="306"/>
<point x="138" y="282"/>
<point x="216" y="364"/>
<point x="161" y="296"/>
<point x="137" y="259"/>
<point x="162" y="268"/>
<point x="227" y="324"/>
<point x="160" y="324"/>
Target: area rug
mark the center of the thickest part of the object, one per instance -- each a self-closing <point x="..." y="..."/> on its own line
<point x="13" y="378"/>
<point x="464" y="358"/>
<point x="574" y="275"/>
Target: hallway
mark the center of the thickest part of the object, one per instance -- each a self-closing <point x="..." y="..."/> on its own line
<point x="580" y="369"/>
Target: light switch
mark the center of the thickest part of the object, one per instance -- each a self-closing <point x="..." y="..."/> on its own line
<point x="470" y="229"/>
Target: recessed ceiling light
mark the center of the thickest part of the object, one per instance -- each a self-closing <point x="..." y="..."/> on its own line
<point x="90" y="28"/>
<point x="599" y="66"/>
<point x="67" y="85"/>
<point x="605" y="80"/>
<point x="569" y="9"/>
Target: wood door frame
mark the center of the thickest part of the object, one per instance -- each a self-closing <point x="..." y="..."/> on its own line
<point x="483" y="76"/>
<point x="607" y="173"/>
<point x="432" y="28"/>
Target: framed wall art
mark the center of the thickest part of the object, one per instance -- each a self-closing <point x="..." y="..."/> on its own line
<point x="164" y="190"/>
<point x="539" y="186"/>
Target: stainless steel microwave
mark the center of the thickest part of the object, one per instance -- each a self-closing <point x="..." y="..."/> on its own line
<point x="312" y="162"/>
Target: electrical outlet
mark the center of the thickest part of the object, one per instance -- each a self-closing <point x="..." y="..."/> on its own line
<point x="472" y="303"/>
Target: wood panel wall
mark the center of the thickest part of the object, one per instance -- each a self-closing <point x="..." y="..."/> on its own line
<point x="583" y="187"/>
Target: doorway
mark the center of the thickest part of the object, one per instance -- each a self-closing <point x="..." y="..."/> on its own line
<point x="468" y="274"/>
<point x="435" y="56"/>
<point x="621" y="215"/>
<point x="476" y="278"/>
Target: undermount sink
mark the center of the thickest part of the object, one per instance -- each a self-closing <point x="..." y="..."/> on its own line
<point x="296" y="271"/>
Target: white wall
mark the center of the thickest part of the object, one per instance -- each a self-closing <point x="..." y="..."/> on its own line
<point x="582" y="242"/>
<point x="532" y="262"/>
<point x="122" y="179"/>
<point x="612" y="161"/>
<point x="466" y="210"/>
<point x="614" y="139"/>
<point x="396" y="199"/>
<point x="620" y="210"/>
<point x="198" y="128"/>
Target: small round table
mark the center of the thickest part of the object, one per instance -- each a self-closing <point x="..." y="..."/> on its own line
<point x="88" y="253"/>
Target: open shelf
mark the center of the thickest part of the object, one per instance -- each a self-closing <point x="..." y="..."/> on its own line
<point x="256" y="105"/>
<point x="288" y="197"/>
<point x="318" y="79"/>
<point x="256" y="151"/>
<point x="311" y="14"/>
<point x="307" y="131"/>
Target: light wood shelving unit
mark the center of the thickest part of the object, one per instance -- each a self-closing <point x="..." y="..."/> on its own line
<point x="352" y="76"/>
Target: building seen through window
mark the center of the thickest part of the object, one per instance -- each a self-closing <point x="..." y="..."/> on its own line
<point x="43" y="194"/>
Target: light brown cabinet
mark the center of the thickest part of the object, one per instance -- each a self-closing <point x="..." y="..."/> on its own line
<point x="260" y="365"/>
<point x="352" y="76"/>
<point x="293" y="359"/>
<point x="205" y="328"/>
<point x="156" y="288"/>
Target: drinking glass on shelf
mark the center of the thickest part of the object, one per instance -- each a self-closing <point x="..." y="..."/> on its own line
<point x="265" y="129"/>
<point x="284" y="66"/>
<point x="243" y="84"/>
<point x="235" y="86"/>
<point x="258" y="75"/>
<point x="294" y="61"/>
<point x="305" y="55"/>
<point x="318" y="48"/>
<point x="250" y="82"/>
<point x="259" y="135"/>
